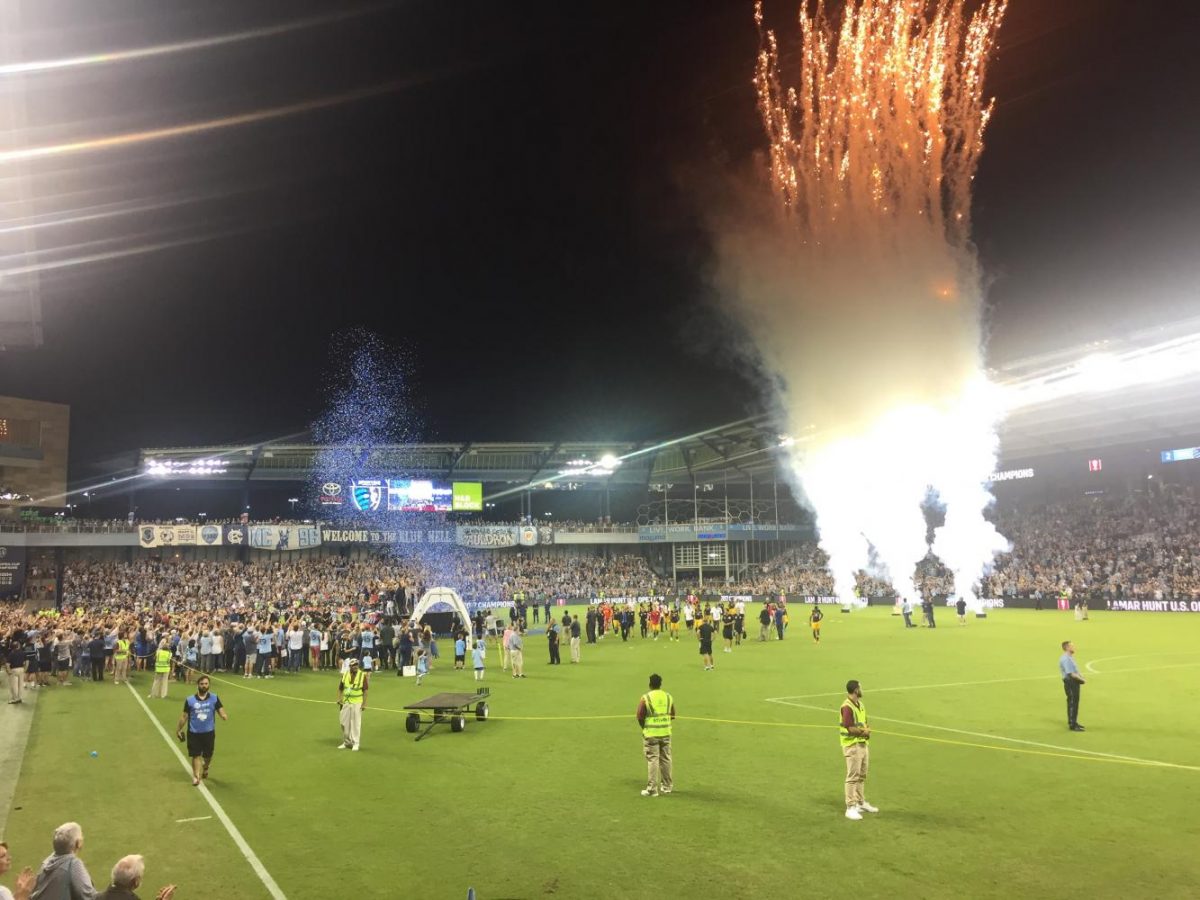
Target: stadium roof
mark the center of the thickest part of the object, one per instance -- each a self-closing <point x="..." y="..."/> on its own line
<point x="1064" y="419"/>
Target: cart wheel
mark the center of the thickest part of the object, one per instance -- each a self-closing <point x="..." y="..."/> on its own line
<point x="411" y="723"/>
<point x="481" y="711"/>
<point x="458" y="723"/>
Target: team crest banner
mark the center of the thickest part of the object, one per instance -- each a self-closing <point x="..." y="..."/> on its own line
<point x="168" y="535"/>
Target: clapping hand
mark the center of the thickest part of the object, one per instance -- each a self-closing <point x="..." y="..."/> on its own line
<point x="165" y="893"/>
<point x="25" y="883"/>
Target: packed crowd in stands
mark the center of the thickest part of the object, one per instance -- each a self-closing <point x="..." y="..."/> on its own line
<point x="1140" y="545"/>
<point x="260" y="619"/>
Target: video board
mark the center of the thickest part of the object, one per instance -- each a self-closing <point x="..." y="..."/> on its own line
<point x="400" y="495"/>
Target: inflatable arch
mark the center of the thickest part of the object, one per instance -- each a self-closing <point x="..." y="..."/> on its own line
<point x="441" y="599"/>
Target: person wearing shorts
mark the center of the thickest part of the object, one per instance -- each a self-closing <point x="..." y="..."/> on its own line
<point x="705" y="635"/>
<point x="199" y="717"/>
<point x="62" y="667"/>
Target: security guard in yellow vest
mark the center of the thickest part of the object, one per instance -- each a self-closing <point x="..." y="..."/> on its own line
<point x="654" y="715"/>
<point x="162" y="670"/>
<point x="352" y="700"/>
<point x="855" y="733"/>
<point x="121" y="660"/>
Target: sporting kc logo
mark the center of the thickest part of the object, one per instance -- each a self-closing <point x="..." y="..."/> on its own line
<point x="367" y="497"/>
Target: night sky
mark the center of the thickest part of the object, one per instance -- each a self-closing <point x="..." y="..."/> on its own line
<point x="517" y="208"/>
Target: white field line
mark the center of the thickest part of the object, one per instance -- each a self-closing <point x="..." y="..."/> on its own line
<point x="948" y="684"/>
<point x="1091" y="665"/>
<point x="255" y="863"/>
<point x="194" y="819"/>
<point x="996" y="737"/>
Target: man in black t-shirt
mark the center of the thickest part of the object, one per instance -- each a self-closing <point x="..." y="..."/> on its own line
<point x="705" y="634"/>
<point x="727" y="618"/>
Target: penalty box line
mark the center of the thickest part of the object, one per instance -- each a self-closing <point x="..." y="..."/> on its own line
<point x="1077" y="752"/>
<point x="255" y="863"/>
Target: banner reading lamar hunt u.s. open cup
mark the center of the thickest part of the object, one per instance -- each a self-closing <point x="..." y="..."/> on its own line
<point x="12" y="571"/>
<point x="283" y="537"/>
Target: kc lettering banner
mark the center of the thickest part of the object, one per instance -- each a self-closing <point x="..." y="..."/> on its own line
<point x="283" y="537"/>
<point x="12" y="571"/>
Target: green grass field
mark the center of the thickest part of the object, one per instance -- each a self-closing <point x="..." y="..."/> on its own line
<point x="543" y="800"/>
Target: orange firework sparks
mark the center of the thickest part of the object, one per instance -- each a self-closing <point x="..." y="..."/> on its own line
<point x="886" y="121"/>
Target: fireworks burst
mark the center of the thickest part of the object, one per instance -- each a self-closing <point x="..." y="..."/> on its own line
<point x="855" y="277"/>
<point x="884" y="130"/>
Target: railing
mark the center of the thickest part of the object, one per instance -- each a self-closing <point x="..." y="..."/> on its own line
<point x="68" y="527"/>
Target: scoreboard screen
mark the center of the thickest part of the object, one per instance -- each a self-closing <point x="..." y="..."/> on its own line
<point x="415" y="495"/>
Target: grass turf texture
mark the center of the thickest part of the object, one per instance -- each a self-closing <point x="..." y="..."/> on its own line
<point x="529" y="807"/>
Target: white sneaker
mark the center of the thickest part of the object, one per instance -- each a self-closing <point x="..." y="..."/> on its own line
<point x="343" y="745"/>
<point x="867" y="807"/>
<point x="646" y="792"/>
<point x="355" y="747"/>
<point x="853" y="813"/>
<point x="666" y="790"/>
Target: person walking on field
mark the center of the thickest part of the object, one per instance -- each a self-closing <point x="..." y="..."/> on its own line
<point x="352" y="700"/>
<point x="814" y="622"/>
<point x="704" y="634"/>
<point x="961" y="608"/>
<point x="855" y="733"/>
<point x="199" y="717"/>
<point x="655" y="712"/>
<point x="1072" y="681"/>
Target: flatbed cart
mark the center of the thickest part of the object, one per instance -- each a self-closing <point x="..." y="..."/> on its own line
<point x="446" y="707"/>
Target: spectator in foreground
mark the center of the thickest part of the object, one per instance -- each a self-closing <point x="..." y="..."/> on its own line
<point x="63" y="875"/>
<point x="24" y="882"/>
<point x="127" y="877"/>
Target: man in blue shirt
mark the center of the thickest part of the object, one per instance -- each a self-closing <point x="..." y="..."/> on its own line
<point x="199" y="715"/>
<point x="1072" y="681"/>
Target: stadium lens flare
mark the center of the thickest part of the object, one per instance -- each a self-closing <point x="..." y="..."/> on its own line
<point x="856" y="280"/>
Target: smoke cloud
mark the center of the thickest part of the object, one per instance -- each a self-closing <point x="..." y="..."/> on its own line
<point x="850" y="267"/>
